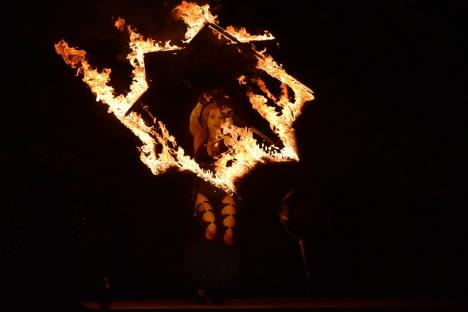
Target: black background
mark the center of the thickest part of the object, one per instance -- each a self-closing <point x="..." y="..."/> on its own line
<point x="382" y="150"/>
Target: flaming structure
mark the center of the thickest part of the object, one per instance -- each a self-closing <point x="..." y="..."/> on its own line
<point x="159" y="150"/>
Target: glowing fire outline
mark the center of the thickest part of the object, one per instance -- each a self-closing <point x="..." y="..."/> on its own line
<point x="244" y="150"/>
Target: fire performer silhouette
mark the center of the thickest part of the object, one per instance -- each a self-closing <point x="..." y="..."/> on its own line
<point x="212" y="257"/>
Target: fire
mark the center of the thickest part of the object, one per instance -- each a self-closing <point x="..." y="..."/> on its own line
<point x="243" y="36"/>
<point x="194" y="16"/>
<point x="244" y="150"/>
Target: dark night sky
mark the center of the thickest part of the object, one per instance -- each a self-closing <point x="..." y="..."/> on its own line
<point x="382" y="149"/>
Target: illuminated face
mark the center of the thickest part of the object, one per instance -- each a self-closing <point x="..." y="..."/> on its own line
<point x="214" y="122"/>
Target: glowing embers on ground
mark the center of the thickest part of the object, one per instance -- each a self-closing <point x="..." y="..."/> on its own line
<point x="159" y="150"/>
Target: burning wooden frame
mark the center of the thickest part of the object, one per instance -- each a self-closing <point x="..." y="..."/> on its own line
<point x="159" y="150"/>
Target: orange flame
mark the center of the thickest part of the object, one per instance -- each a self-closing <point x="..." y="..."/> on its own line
<point x="243" y="36"/>
<point x="244" y="150"/>
<point x="194" y="16"/>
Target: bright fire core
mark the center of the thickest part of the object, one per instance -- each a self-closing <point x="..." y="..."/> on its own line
<point x="159" y="150"/>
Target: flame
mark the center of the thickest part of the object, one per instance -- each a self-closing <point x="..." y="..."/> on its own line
<point x="243" y="36"/>
<point x="194" y="16"/>
<point x="242" y="80"/>
<point x="244" y="150"/>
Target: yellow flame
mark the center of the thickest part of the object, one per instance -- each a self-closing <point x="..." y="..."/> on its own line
<point x="194" y="16"/>
<point x="243" y="36"/>
<point x="244" y="150"/>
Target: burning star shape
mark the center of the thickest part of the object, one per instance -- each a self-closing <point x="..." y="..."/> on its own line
<point x="159" y="150"/>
